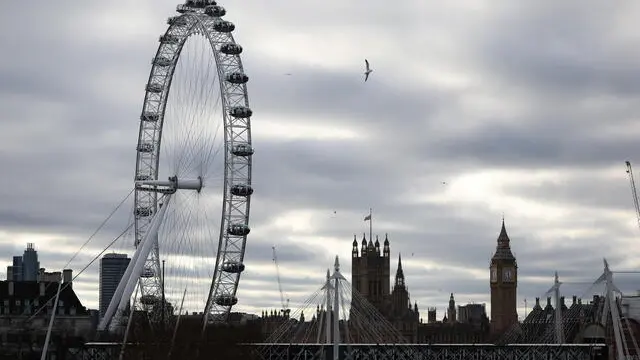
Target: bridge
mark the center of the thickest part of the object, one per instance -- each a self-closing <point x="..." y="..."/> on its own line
<point x="347" y="326"/>
<point x="108" y="351"/>
<point x="438" y="351"/>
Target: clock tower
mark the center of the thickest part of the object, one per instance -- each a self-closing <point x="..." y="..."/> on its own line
<point x="503" y="273"/>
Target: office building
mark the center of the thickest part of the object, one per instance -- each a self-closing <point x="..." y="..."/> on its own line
<point x="25" y="267"/>
<point x="112" y="267"/>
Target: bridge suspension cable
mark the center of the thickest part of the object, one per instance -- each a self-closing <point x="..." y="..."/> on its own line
<point x="634" y="192"/>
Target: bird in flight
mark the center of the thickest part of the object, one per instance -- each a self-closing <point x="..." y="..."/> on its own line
<point x="368" y="70"/>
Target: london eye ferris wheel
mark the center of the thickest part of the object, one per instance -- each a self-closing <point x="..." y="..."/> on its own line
<point x="193" y="169"/>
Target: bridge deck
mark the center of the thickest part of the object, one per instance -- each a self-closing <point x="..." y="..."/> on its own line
<point x="433" y="351"/>
<point x="280" y="351"/>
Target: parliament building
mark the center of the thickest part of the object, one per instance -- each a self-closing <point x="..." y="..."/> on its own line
<point x="371" y="277"/>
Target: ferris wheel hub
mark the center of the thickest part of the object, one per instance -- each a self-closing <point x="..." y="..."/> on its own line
<point x="172" y="184"/>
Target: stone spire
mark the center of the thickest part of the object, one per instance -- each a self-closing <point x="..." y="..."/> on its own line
<point x="399" y="272"/>
<point x="503" y="248"/>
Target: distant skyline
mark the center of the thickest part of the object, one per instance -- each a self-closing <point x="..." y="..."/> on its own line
<point x="527" y="109"/>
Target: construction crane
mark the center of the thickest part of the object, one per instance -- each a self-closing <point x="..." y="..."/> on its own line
<point x="634" y="193"/>
<point x="285" y="304"/>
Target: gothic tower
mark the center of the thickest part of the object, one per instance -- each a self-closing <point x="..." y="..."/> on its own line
<point x="400" y="295"/>
<point x="370" y="270"/>
<point x="451" y="310"/>
<point x="504" y="283"/>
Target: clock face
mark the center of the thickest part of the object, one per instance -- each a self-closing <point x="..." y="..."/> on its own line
<point x="494" y="274"/>
<point x="507" y="275"/>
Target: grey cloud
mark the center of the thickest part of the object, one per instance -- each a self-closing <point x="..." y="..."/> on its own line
<point x="547" y="143"/>
<point x="345" y="97"/>
<point x="80" y="188"/>
<point x="598" y="192"/>
<point x="567" y="49"/>
<point x="260" y="251"/>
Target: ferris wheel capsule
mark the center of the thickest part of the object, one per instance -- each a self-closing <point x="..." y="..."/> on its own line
<point x="238" y="229"/>
<point x="224" y="26"/>
<point x="215" y="11"/>
<point x="226" y="300"/>
<point x="233" y="267"/>
<point x="242" y="150"/>
<point x="241" y="190"/>
<point x="237" y="78"/>
<point x="240" y="112"/>
<point x="231" y="49"/>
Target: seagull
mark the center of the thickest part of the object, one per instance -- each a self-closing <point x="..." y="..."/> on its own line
<point x="287" y="74"/>
<point x="368" y="71"/>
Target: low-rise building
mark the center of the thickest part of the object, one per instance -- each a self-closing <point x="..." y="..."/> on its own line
<point x="26" y="308"/>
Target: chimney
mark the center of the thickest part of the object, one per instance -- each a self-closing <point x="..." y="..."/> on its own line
<point x="67" y="276"/>
<point x="41" y="288"/>
<point x="561" y="300"/>
<point x="537" y="301"/>
<point x="11" y="289"/>
<point x="574" y="299"/>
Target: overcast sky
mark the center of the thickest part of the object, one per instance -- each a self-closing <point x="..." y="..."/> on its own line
<point x="522" y="108"/>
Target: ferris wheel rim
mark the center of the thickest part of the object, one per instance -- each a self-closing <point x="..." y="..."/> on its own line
<point x="237" y="135"/>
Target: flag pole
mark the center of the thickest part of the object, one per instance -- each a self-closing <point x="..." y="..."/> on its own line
<point x="370" y="226"/>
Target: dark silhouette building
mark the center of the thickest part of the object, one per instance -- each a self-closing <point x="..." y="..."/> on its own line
<point x="371" y="271"/>
<point x="112" y="268"/>
<point x="25" y="312"/>
<point x="371" y="276"/>
<point x="25" y="267"/>
<point x="467" y="325"/>
<point x="503" y="284"/>
<point x="451" y="310"/>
